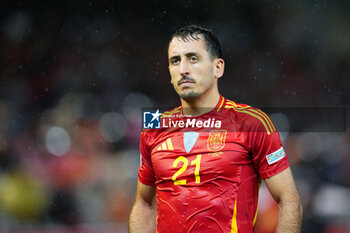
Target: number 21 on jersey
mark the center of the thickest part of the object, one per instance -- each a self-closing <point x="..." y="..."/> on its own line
<point x="183" y="168"/>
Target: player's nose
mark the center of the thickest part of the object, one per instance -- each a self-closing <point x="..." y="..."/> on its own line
<point x="184" y="68"/>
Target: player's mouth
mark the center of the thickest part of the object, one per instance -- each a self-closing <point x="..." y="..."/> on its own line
<point x="185" y="82"/>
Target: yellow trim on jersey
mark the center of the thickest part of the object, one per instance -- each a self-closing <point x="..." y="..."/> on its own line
<point x="223" y="99"/>
<point x="258" y="111"/>
<point x="255" y="113"/>
<point x="234" y="228"/>
<point x="230" y="102"/>
<point x="257" y="206"/>
<point x="252" y="114"/>
<point x="267" y="119"/>
<point x="171" y="112"/>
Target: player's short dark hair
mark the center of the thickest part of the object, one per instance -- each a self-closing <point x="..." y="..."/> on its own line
<point x="192" y="32"/>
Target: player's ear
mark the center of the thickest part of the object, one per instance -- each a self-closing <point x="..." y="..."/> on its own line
<point x="219" y="67"/>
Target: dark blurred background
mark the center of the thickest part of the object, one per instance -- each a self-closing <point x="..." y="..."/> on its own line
<point x="74" y="76"/>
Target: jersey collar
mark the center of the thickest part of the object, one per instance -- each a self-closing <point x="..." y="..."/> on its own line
<point x="218" y="108"/>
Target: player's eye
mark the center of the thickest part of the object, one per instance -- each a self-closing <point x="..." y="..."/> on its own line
<point x="174" y="61"/>
<point x="193" y="59"/>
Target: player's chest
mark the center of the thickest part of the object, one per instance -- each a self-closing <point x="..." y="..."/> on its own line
<point x="195" y="156"/>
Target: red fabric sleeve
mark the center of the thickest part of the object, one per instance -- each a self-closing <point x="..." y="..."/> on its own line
<point x="267" y="151"/>
<point x="146" y="173"/>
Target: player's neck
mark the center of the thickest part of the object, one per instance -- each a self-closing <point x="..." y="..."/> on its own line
<point x="200" y="105"/>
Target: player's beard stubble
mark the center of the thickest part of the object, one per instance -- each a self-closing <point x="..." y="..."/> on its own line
<point x="188" y="94"/>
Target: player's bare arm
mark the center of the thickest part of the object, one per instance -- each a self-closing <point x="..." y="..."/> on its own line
<point x="283" y="189"/>
<point x="143" y="214"/>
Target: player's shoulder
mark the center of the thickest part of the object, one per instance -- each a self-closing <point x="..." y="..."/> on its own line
<point x="251" y="116"/>
<point x="242" y="110"/>
<point x="230" y="103"/>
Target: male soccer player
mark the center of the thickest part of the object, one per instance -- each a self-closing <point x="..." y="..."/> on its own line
<point x="207" y="179"/>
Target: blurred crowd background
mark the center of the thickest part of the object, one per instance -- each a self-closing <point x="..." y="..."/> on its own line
<point x="74" y="76"/>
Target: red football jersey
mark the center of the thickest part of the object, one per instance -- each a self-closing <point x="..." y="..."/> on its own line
<point x="208" y="179"/>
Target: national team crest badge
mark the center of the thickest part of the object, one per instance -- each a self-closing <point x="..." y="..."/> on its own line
<point x="216" y="140"/>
